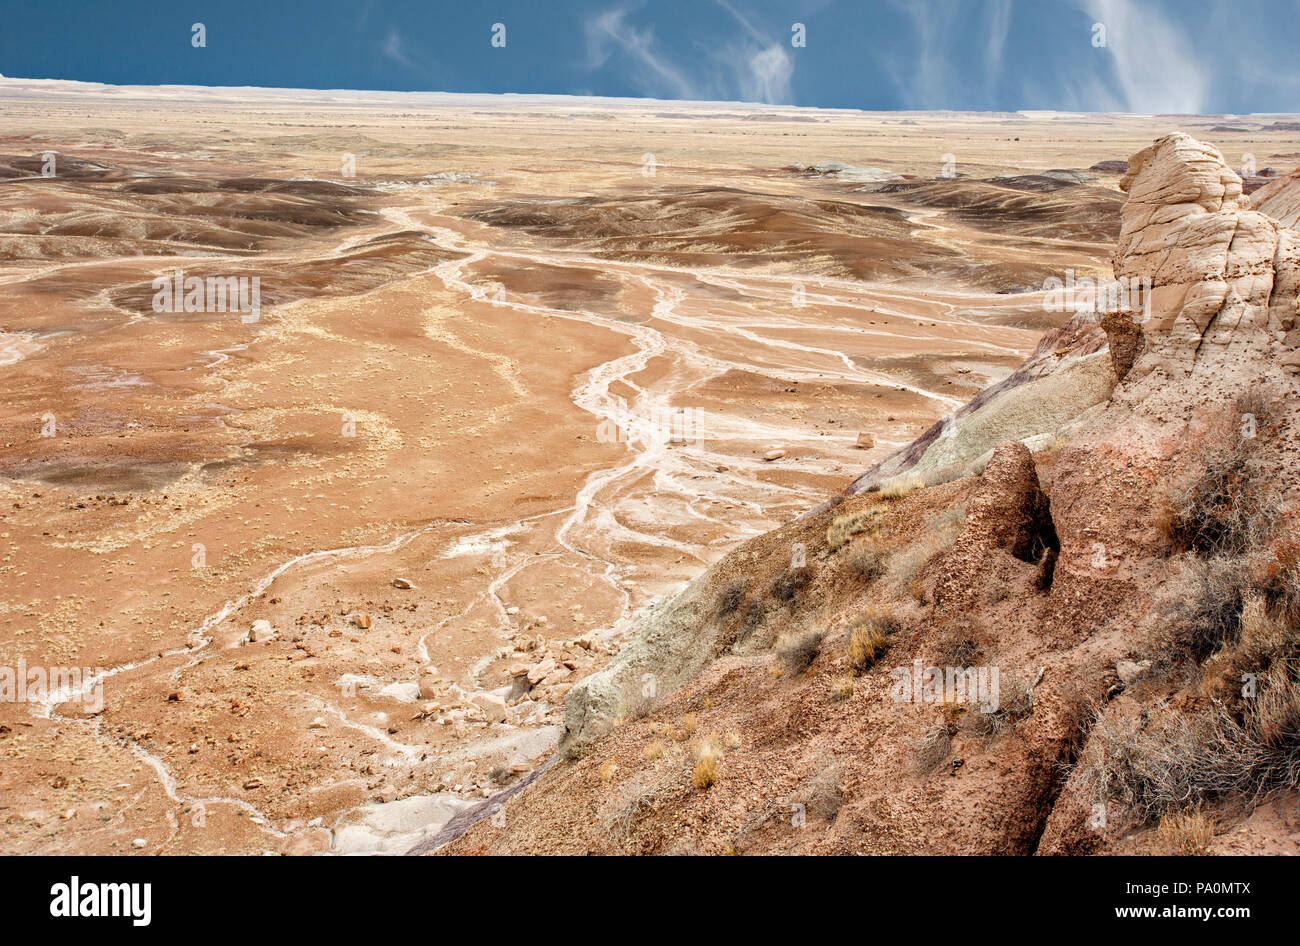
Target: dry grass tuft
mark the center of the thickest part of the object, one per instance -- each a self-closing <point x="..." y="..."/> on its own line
<point x="901" y="485"/>
<point x="842" y="688"/>
<point x="866" y="644"/>
<point x="690" y="723"/>
<point x="843" y="528"/>
<point x="705" y="773"/>
<point x="1186" y="834"/>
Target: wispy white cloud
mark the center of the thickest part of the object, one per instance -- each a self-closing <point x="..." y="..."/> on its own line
<point x="610" y="30"/>
<point x="393" y="49"/>
<point x="751" y="67"/>
<point x="1155" y="66"/>
<point x="760" y="67"/>
<point x="999" y="26"/>
<point x="920" y="65"/>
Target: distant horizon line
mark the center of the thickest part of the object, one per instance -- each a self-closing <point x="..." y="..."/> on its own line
<point x="578" y="97"/>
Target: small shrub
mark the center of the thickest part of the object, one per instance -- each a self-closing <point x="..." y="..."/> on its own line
<point x="867" y="563"/>
<point x="788" y="584"/>
<point x="654" y="750"/>
<point x="1015" y="702"/>
<point x="1228" y="507"/>
<point x="1204" y="608"/>
<point x="955" y="644"/>
<point x="1185" y="834"/>
<point x="930" y="749"/>
<point x="733" y="595"/>
<point x="1279" y="576"/>
<point x="796" y="652"/>
<point x="1262" y="641"/>
<point x="842" y="688"/>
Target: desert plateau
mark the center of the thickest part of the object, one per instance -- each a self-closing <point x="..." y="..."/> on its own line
<point x="410" y="473"/>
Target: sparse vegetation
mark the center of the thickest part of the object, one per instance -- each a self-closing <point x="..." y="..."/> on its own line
<point x="733" y="595"/>
<point x="1229" y="506"/>
<point x="1163" y="759"/>
<point x="866" y="563"/>
<point x="866" y="644"/>
<point x="1185" y="834"/>
<point x="937" y="534"/>
<point x="843" y="528"/>
<point x="1229" y="617"/>
<point x="930" y="749"/>
<point x="705" y="773"/>
<point x="796" y="652"/>
<point x="901" y="485"/>
<point x="842" y="688"/>
<point x="790" y="583"/>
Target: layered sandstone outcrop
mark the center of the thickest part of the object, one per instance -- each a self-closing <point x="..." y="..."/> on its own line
<point x="1280" y="200"/>
<point x="1223" y="277"/>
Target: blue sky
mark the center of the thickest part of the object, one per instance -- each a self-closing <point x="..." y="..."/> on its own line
<point x="1159" y="55"/>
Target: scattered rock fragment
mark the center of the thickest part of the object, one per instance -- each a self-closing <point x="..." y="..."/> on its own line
<point x="493" y="707"/>
<point x="539" y="672"/>
<point x="1130" y="671"/>
<point x="428" y="687"/>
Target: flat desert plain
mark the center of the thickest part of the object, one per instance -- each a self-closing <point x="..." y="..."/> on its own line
<point x="315" y="574"/>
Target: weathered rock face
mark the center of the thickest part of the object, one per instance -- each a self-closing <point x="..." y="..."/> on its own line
<point x="1068" y="375"/>
<point x="1220" y="319"/>
<point x="1280" y="200"/>
<point x="1008" y="537"/>
<point x="1214" y="266"/>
